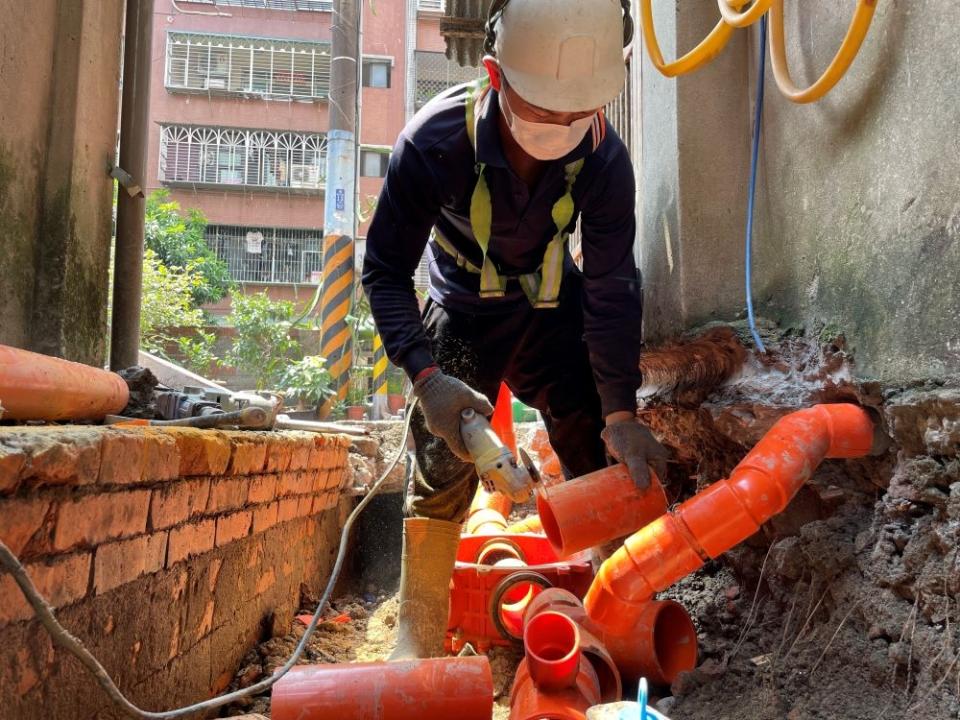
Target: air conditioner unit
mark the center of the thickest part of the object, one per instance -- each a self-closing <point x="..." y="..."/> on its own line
<point x="305" y="176"/>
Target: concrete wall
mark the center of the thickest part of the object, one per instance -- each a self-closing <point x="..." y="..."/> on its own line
<point x="169" y="553"/>
<point x="60" y="70"/>
<point x="858" y="217"/>
<point x="860" y="191"/>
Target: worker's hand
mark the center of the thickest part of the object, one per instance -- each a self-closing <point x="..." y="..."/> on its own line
<point x="635" y="446"/>
<point x="442" y="399"/>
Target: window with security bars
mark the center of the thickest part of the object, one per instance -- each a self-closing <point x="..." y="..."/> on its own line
<point x="312" y="5"/>
<point x="431" y="5"/>
<point x="435" y="73"/>
<point x="235" y="65"/>
<point x="268" y="255"/>
<point x="228" y="157"/>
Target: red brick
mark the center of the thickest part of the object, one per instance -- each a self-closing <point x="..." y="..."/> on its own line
<point x="265" y="517"/>
<point x="249" y="453"/>
<point x="96" y="518"/>
<point x="322" y="503"/>
<point x="300" y="455"/>
<point x="295" y="483"/>
<point x="121" y="457"/>
<point x="278" y="453"/>
<point x="202" y="452"/>
<point x="56" y="456"/>
<point x="233" y="527"/>
<point x="304" y="506"/>
<point x="119" y="563"/>
<point x="179" y="501"/>
<point x="12" y="461"/>
<point x="192" y="539"/>
<point x="263" y="488"/>
<point x="288" y="509"/>
<point x="62" y="581"/>
<point x="22" y="521"/>
<point x="227" y="495"/>
<point x="266" y="581"/>
<point x="161" y="456"/>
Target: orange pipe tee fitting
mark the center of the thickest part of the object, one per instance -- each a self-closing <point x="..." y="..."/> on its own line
<point x="450" y="687"/>
<point x="726" y="513"/>
<point x="596" y="508"/>
<point x="39" y="387"/>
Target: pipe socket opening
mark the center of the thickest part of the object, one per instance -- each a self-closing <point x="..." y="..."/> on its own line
<point x="674" y="640"/>
<point x="514" y="606"/>
<point x="551" y="528"/>
<point x="552" y="643"/>
<point x="501" y="553"/>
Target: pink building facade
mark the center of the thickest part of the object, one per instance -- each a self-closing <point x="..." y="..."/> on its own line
<point x="239" y="115"/>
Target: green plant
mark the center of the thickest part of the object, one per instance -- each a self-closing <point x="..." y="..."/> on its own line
<point x="396" y="381"/>
<point x="166" y="302"/>
<point x="196" y="352"/>
<point x="308" y="379"/>
<point x="359" y="385"/>
<point x="180" y="241"/>
<point x="263" y="346"/>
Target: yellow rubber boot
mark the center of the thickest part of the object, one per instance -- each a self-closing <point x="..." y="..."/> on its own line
<point x="429" y="554"/>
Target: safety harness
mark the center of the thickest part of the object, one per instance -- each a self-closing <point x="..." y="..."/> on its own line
<point x="542" y="287"/>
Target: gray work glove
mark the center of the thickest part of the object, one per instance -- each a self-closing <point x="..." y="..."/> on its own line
<point x="442" y="399"/>
<point x="634" y="445"/>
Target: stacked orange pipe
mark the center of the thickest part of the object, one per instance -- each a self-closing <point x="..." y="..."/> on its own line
<point x="489" y="510"/>
<point x="725" y="514"/>
<point x="39" y="387"/>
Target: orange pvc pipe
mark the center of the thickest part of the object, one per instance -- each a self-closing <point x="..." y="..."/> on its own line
<point x="452" y="687"/>
<point x="483" y="501"/>
<point x="529" y="702"/>
<point x="596" y="508"/>
<point x="726" y="513"/>
<point x="531" y="524"/>
<point x="502" y="420"/>
<point x="484" y="520"/>
<point x="39" y="387"/>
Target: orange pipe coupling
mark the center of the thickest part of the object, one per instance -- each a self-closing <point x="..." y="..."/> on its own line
<point x="39" y="387"/>
<point x="724" y="514"/>
<point x="596" y="508"/>
<point x="551" y="681"/>
<point x="405" y="690"/>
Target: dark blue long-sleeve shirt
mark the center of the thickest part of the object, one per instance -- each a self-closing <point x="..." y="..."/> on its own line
<point x="430" y="181"/>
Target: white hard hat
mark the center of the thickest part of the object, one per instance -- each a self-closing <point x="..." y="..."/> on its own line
<point x="562" y="55"/>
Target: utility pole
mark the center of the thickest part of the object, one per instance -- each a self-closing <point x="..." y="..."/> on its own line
<point x="134" y="122"/>
<point x="339" y="200"/>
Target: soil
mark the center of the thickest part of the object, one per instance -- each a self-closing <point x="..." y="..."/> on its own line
<point x="844" y="607"/>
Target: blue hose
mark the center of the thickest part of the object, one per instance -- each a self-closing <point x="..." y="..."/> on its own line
<point x="755" y="152"/>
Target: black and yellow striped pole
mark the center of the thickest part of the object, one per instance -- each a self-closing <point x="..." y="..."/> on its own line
<point x="380" y="363"/>
<point x="335" y="339"/>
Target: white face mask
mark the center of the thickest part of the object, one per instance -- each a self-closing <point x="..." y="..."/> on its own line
<point x="544" y="141"/>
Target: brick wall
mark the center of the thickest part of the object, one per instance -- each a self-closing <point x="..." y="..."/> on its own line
<point x="168" y="552"/>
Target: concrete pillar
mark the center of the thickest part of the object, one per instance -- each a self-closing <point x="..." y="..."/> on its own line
<point x="58" y="124"/>
<point x="696" y="153"/>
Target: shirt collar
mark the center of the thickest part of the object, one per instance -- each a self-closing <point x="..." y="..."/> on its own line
<point x="489" y="147"/>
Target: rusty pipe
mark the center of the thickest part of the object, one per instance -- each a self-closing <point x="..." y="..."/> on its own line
<point x="403" y="690"/>
<point x="726" y="513"/>
<point x="40" y="387"/>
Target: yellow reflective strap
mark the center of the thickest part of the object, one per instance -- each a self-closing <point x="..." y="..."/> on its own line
<point x="481" y="212"/>
<point x="491" y="283"/>
<point x="449" y="249"/>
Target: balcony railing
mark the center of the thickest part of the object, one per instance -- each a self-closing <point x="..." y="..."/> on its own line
<point x="434" y="74"/>
<point x="269" y="255"/>
<point x="312" y="5"/>
<point x="236" y="65"/>
<point x="233" y="158"/>
<point x="436" y="6"/>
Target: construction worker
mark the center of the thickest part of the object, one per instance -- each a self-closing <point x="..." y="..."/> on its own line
<point x="491" y="177"/>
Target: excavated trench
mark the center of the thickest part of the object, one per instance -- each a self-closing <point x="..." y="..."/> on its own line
<point x="843" y="607"/>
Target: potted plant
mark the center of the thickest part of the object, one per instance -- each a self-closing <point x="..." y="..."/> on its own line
<point x="357" y="394"/>
<point x="396" y="398"/>
<point x="308" y="382"/>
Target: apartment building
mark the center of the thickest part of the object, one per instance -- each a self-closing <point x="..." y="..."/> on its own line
<point x="239" y="111"/>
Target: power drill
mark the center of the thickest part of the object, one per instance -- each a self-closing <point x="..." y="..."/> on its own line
<point x="498" y="469"/>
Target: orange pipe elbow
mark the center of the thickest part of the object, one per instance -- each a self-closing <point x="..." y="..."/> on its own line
<point x="596" y="508"/>
<point x="727" y="512"/>
<point x="405" y="690"/>
<point x="39" y="387"/>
